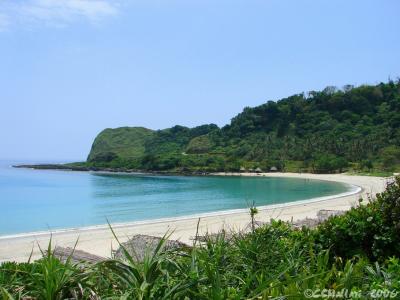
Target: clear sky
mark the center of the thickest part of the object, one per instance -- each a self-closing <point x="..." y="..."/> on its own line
<point x="70" y="68"/>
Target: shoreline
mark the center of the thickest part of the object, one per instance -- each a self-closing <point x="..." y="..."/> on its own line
<point x="69" y="167"/>
<point x="354" y="190"/>
<point x="97" y="239"/>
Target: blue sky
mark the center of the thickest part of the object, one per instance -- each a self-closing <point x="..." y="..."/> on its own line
<point x="70" y="68"/>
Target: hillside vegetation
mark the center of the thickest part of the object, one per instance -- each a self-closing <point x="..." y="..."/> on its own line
<point x="126" y="142"/>
<point x="353" y="128"/>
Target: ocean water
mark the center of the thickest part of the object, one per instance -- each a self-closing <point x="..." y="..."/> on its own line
<point x="35" y="200"/>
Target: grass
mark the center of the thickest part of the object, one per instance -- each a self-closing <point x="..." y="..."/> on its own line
<point x="274" y="262"/>
<point x="271" y="263"/>
<point x="125" y="142"/>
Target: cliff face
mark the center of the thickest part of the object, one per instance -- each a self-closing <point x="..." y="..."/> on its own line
<point x="124" y="143"/>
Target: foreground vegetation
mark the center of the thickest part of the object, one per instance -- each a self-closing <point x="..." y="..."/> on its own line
<point x="357" y="252"/>
<point x="334" y="130"/>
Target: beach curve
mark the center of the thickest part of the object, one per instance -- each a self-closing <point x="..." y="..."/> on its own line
<point x="99" y="240"/>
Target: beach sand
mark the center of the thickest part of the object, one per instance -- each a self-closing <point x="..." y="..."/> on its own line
<point x="99" y="240"/>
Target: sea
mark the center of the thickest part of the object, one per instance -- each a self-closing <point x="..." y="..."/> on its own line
<point x="41" y="200"/>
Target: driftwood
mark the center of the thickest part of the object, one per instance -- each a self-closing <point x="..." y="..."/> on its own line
<point x="76" y="256"/>
<point x="140" y="244"/>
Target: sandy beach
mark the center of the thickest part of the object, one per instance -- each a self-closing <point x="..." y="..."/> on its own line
<point x="99" y="240"/>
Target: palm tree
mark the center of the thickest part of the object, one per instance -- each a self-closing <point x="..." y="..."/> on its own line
<point x="253" y="212"/>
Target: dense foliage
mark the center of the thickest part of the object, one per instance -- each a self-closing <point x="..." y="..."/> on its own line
<point x="328" y="131"/>
<point x="357" y="252"/>
<point x="371" y="230"/>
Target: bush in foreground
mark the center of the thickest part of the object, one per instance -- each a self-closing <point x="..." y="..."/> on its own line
<point x="371" y="230"/>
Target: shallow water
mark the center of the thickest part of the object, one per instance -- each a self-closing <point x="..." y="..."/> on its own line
<point x="33" y="200"/>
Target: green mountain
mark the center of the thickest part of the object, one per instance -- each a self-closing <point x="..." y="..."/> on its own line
<point x="123" y="142"/>
<point x="355" y="128"/>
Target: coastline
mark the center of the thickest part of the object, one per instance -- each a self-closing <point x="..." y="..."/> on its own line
<point x="353" y="191"/>
<point x="99" y="240"/>
<point x="77" y="167"/>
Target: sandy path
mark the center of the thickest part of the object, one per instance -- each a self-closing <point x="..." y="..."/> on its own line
<point x="98" y="240"/>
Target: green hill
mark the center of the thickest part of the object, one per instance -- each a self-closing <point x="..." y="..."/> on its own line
<point x="124" y="142"/>
<point x="354" y="128"/>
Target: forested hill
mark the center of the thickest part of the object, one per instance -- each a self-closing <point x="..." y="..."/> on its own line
<point x="332" y="130"/>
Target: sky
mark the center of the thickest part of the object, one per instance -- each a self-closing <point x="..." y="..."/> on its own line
<point x="70" y="68"/>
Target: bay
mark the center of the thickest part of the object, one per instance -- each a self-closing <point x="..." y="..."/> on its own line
<point x="36" y="200"/>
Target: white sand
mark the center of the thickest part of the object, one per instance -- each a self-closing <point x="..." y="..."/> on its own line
<point x="99" y="240"/>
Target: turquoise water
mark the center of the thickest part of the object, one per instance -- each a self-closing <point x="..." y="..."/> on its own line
<point x="33" y="200"/>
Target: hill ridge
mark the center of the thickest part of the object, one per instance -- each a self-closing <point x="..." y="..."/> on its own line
<point x="322" y="131"/>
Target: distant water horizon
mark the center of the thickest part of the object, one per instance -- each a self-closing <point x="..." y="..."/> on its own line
<point x="40" y="200"/>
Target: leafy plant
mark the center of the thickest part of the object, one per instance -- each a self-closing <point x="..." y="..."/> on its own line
<point x="371" y="230"/>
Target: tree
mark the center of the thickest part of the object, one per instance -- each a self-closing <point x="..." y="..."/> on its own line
<point x="367" y="164"/>
<point x="328" y="163"/>
<point x="390" y="157"/>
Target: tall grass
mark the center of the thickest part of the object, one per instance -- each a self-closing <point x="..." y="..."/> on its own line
<point x="47" y="278"/>
<point x="273" y="262"/>
<point x="146" y="279"/>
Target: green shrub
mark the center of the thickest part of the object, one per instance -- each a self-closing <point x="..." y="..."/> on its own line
<point x="328" y="163"/>
<point x="372" y="230"/>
